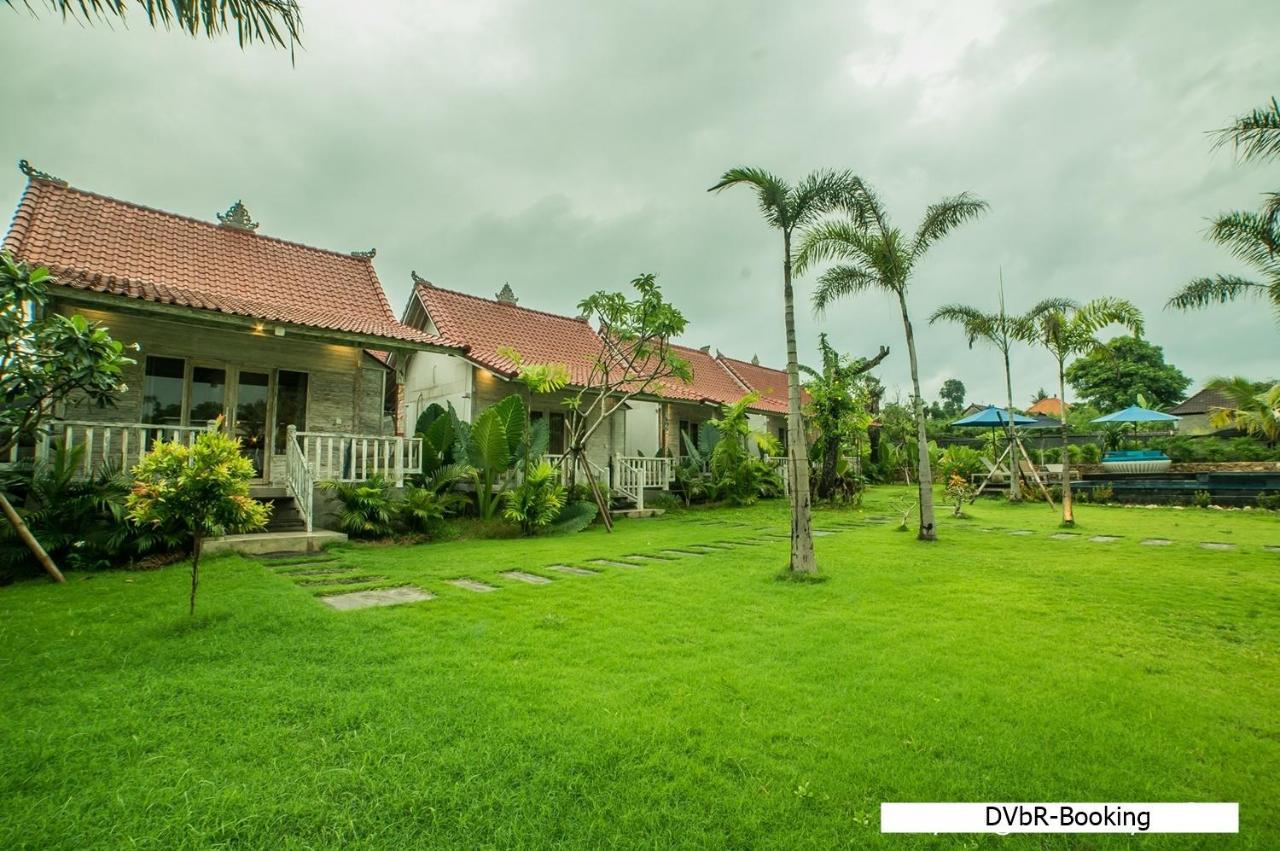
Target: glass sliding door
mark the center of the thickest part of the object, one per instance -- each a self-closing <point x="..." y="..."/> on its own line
<point x="162" y="390"/>
<point x="252" y="394"/>
<point x="208" y="395"/>
<point x="291" y="405"/>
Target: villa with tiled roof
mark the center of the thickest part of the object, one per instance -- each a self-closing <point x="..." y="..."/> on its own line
<point x="287" y="343"/>
<point x="482" y="374"/>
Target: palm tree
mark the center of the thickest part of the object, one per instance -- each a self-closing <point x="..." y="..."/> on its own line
<point x="1067" y="330"/>
<point x="1254" y="410"/>
<point x="276" y="22"/>
<point x="875" y="255"/>
<point x="1252" y="237"/>
<point x="1000" y="330"/>
<point x="786" y="208"/>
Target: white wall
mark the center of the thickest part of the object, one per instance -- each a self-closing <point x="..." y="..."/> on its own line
<point x="641" y="428"/>
<point x="439" y="378"/>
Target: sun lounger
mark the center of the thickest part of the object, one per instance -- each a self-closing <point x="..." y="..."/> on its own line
<point x="1136" y="461"/>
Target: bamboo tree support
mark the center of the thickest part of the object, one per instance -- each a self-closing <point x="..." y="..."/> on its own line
<point x="24" y="533"/>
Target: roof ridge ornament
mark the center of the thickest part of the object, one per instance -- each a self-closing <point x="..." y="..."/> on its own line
<point x="418" y="279"/>
<point x="34" y="173"/>
<point x="755" y="360"/>
<point x="365" y="255"/>
<point x="506" y="295"/>
<point x="237" y="218"/>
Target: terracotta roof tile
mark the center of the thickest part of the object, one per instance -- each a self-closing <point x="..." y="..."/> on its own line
<point x="92" y="242"/>
<point x="770" y="383"/>
<point x="1051" y="406"/>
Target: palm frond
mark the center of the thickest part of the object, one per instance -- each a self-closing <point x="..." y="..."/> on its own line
<point x="841" y="282"/>
<point x="772" y="192"/>
<point x="818" y="193"/>
<point x="1252" y="237"/>
<point x="975" y="324"/>
<point x="831" y="240"/>
<point x="864" y="206"/>
<point x="1222" y="289"/>
<point x="276" y="22"/>
<point x="1254" y="135"/>
<point x="1098" y="313"/>
<point x="944" y="216"/>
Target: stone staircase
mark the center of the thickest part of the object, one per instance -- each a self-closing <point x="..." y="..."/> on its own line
<point x="286" y="532"/>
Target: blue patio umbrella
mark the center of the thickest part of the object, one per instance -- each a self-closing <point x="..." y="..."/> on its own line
<point x="993" y="417"/>
<point x="1136" y="414"/>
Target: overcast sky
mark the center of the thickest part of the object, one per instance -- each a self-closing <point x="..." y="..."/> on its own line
<point x="565" y="147"/>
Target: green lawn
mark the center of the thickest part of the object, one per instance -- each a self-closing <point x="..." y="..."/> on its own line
<point x="695" y="702"/>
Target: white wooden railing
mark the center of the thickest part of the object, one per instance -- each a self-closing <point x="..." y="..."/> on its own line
<point x="120" y="445"/>
<point x="300" y="477"/>
<point x="629" y="479"/>
<point x="654" y="472"/>
<point x="359" y="457"/>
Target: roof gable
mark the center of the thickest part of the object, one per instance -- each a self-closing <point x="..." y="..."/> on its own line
<point x="1202" y="402"/>
<point x="101" y="244"/>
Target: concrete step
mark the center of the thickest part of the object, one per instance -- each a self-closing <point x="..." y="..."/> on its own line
<point x="258" y="543"/>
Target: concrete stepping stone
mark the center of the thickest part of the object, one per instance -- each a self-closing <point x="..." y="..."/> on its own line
<point x="336" y="570"/>
<point x="608" y="562"/>
<point x="711" y="546"/>
<point x="821" y="533"/>
<point x="572" y="571"/>
<point x="1104" y="539"/>
<point x="641" y="557"/>
<point x="521" y="576"/>
<point x="683" y="553"/>
<point x="1156" y="542"/>
<point x="1270" y="548"/>
<point x="289" y="566"/>
<point x="1216" y="545"/>
<point x="1064" y="536"/>
<point x="1022" y="532"/>
<point x="341" y="580"/>
<point x="472" y="585"/>
<point x="377" y="597"/>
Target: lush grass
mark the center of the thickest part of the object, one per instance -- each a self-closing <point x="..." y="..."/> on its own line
<point x="696" y="702"/>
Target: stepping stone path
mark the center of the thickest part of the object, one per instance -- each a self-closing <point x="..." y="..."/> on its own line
<point x="377" y="597"/>
<point x="822" y="533"/>
<point x="1022" y="532"/>
<point x="1270" y="548"/>
<point x="1216" y="545"/>
<point x="521" y="576"/>
<point x="341" y="580"/>
<point x="319" y="571"/>
<point x="683" y="553"/>
<point x="1104" y="539"/>
<point x="1156" y="542"/>
<point x="472" y="585"/>
<point x="641" y="557"/>
<point x="1064" y="536"/>
<point x="571" y="570"/>
<point x="605" y="562"/>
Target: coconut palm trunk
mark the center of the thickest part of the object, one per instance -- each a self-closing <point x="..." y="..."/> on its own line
<point x="1015" y="483"/>
<point x="1068" y="517"/>
<point x="928" y="531"/>
<point x="802" y="557"/>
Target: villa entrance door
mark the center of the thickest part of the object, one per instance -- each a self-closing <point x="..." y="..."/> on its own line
<point x="252" y="416"/>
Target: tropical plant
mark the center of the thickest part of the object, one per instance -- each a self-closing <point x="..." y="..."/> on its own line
<point x="959" y="491"/>
<point x="839" y="412"/>
<point x="536" y="502"/>
<point x="1067" y="331"/>
<point x="276" y="22"/>
<point x="492" y="447"/>
<point x="1253" y="410"/>
<point x="1253" y="238"/>
<point x="368" y="507"/>
<point x="423" y="507"/>
<point x="736" y="474"/>
<point x="574" y="517"/>
<point x="203" y="487"/>
<point x="960" y="460"/>
<point x="636" y="357"/>
<point x="872" y="254"/>
<point x="786" y="208"/>
<point x="999" y="330"/>
<point x="46" y="358"/>
<point x="438" y="429"/>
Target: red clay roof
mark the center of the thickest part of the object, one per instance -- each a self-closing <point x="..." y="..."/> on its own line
<point x="711" y="381"/>
<point x="770" y="383"/>
<point x="92" y="242"/>
<point x="485" y="325"/>
<point x="1051" y="407"/>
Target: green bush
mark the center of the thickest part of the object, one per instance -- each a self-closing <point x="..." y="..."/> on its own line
<point x="1102" y="493"/>
<point x="537" y="500"/>
<point x="1202" y="499"/>
<point x="1269" y="501"/>
<point x="368" y="508"/>
<point x="1090" y="453"/>
<point x="959" y="460"/>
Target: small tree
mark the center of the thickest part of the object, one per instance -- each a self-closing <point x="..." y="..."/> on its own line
<point x="636" y="357"/>
<point x="46" y="358"/>
<point x="838" y="407"/>
<point x="204" y="487"/>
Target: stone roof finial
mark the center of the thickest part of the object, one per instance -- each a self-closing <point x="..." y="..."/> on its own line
<point x="706" y="350"/>
<point x="505" y="295"/>
<point x="237" y="218"/>
<point x="418" y="279"/>
<point x="365" y="255"/>
<point x="755" y="360"/>
<point x="36" y="174"/>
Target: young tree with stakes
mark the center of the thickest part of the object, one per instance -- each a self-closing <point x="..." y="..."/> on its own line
<point x="636" y="357"/>
<point x="787" y="208"/>
<point x="872" y="254"/>
<point x="1001" y="331"/>
<point x="1068" y="330"/>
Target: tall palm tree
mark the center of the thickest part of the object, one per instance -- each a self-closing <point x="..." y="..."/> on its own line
<point x="1067" y="329"/>
<point x="1254" y="410"/>
<point x="786" y="208"/>
<point x="1000" y="330"/>
<point x="1252" y="237"/>
<point x="875" y="255"/>
<point x="276" y="22"/>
